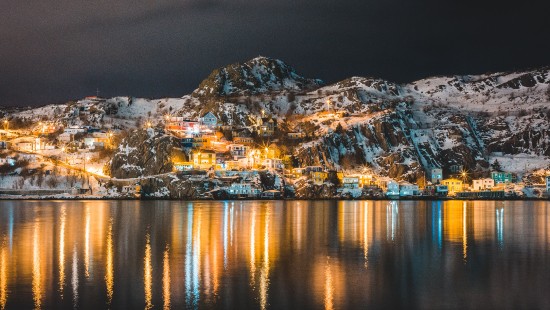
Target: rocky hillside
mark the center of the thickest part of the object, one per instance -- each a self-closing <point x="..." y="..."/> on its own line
<point x="256" y="76"/>
<point x="143" y="153"/>
<point x="393" y="129"/>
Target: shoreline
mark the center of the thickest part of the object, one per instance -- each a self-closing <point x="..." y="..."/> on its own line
<point x="50" y="198"/>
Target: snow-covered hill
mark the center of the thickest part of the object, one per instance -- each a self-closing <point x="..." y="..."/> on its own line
<point x="395" y="129"/>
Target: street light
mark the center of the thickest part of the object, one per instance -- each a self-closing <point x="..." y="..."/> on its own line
<point x="6" y="125"/>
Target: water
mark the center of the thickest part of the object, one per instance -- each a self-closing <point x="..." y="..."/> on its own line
<point x="274" y="255"/>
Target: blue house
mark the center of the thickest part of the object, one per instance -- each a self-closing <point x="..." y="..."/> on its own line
<point x="209" y="120"/>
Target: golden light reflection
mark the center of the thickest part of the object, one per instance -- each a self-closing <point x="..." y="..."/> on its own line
<point x="74" y="279"/>
<point x="366" y="234"/>
<point x="453" y="221"/>
<point x="148" y="274"/>
<point x="329" y="287"/>
<point x="87" y="244"/>
<point x="264" y="276"/>
<point x="37" y="292"/>
<point x="109" y="268"/>
<point x="253" y="249"/>
<point x="166" y="279"/>
<point x="62" y="252"/>
<point x="464" y="232"/>
<point x="3" y="275"/>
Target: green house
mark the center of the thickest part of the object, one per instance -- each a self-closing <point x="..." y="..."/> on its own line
<point x="502" y="177"/>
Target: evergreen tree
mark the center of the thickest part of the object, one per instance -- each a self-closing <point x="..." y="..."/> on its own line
<point x="496" y="166"/>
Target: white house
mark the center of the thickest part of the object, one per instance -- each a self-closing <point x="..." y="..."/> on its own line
<point x="244" y="189"/>
<point x="26" y="146"/>
<point x="209" y="120"/>
<point x="65" y="137"/>
<point x="436" y="175"/>
<point x="350" y="182"/>
<point x="392" y="188"/>
<point x="73" y="130"/>
<point x="238" y="150"/>
<point x="7" y="161"/>
<point x="408" y="189"/>
<point x="483" y="184"/>
<point x="273" y="163"/>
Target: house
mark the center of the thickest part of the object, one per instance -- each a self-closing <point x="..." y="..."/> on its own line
<point x="382" y="182"/>
<point x="73" y="130"/>
<point x="295" y="135"/>
<point x="243" y="140"/>
<point x="436" y="175"/>
<point x="267" y="127"/>
<point x="548" y="184"/>
<point x="209" y="120"/>
<point x="407" y="189"/>
<point x="454" y="185"/>
<point x="273" y="163"/>
<point x="297" y="172"/>
<point x="204" y="159"/>
<point x="7" y="161"/>
<point x="238" y="150"/>
<point x="183" y="166"/>
<point x="65" y="137"/>
<point x="483" y="184"/>
<point x="243" y="189"/>
<point x="392" y="188"/>
<point x="441" y="190"/>
<point x="310" y="169"/>
<point x="181" y="125"/>
<point x="319" y="177"/>
<point x="350" y="182"/>
<point x="502" y="177"/>
<point x="26" y="146"/>
<point x="93" y="142"/>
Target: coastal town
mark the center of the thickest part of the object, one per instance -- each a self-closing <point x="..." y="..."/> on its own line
<point x="51" y="158"/>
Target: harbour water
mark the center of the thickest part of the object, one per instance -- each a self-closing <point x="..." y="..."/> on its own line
<point x="274" y="254"/>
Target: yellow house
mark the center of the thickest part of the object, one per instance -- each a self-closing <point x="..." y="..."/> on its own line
<point x="454" y="185"/>
<point x="204" y="159"/>
<point x="319" y="177"/>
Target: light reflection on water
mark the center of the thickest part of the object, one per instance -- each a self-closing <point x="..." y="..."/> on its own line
<point x="258" y="254"/>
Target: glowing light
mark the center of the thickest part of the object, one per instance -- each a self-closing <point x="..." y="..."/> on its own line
<point x="109" y="268"/>
<point x="253" y="249"/>
<point x="264" y="276"/>
<point x="366" y="234"/>
<point x="166" y="279"/>
<point x="329" y="287"/>
<point x="74" y="280"/>
<point x="87" y="244"/>
<point x="3" y="275"/>
<point x="62" y="252"/>
<point x="464" y="233"/>
<point x="36" y="272"/>
<point x="148" y="274"/>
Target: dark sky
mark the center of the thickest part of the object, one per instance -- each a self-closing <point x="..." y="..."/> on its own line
<point x="53" y="51"/>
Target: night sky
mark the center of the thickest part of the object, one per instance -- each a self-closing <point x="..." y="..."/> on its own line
<point x="53" y="51"/>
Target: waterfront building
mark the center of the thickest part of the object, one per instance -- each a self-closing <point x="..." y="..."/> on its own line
<point x="350" y="182"/>
<point x="319" y="177"/>
<point x="483" y="184"/>
<point x="204" y="159"/>
<point x="454" y="185"/>
<point x="502" y="177"/>
<point x="436" y="175"/>
<point x="407" y="189"/>
<point x="392" y="188"/>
